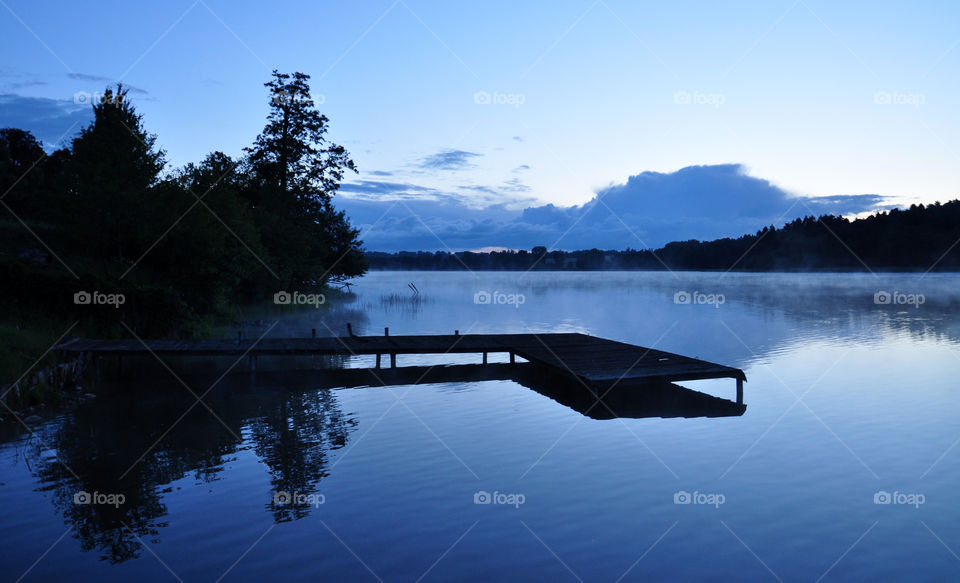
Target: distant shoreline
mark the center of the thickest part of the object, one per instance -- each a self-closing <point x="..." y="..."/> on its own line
<point x="919" y="239"/>
<point x="876" y="271"/>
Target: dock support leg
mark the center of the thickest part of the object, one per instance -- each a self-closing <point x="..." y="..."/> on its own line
<point x="393" y="360"/>
<point x="739" y="391"/>
<point x="253" y="363"/>
<point x="378" y="360"/>
<point x="513" y="358"/>
<point x="484" y="358"/>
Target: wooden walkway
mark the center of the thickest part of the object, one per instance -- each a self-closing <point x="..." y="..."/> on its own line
<point x="598" y="362"/>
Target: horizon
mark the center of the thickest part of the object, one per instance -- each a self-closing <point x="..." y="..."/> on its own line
<point x="442" y="116"/>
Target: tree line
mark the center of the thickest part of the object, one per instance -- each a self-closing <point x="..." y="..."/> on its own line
<point x="919" y="238"/>
<point x="184" y="245"/>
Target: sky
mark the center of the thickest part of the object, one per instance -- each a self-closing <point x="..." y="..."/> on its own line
<point x="478" y="111"/>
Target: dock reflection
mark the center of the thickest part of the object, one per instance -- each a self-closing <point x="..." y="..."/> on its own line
<point x="139" y="439"/>
<point x="625" y="400"/>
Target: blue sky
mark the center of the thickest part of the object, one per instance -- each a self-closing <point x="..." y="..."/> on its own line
<point x="523" y="104"/>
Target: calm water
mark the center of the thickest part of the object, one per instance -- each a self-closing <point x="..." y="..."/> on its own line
<point x="847" y="400"/>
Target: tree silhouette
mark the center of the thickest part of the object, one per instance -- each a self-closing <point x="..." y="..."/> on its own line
<point x="295" y="172"/>
<point x="114" y="166"/>
<point x="186" y="246"/>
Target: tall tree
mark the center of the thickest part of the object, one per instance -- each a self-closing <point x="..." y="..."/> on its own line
<point x="296" y="171"/>
<point x="115" y="164"/>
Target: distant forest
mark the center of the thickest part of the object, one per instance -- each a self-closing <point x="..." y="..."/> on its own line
<point x="920" y="238"/>
<point x="185" y="246"/>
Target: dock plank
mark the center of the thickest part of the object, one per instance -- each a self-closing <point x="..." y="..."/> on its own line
<point x="593" y="360"/>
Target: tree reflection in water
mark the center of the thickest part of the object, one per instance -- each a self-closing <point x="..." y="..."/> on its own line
<point x="139" y="437"/>
<point x="293" y="437"/>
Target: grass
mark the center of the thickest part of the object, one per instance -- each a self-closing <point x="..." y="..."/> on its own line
<point x="24" y="350"/>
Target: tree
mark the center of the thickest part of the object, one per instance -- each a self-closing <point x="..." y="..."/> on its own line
<point x="20" y="177"/>
<point x="114" y="166"/>
<point x="213" y="249"/>
<point x="295" y="173"/>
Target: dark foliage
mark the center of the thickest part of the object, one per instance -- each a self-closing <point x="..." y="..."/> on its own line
<point x="920" y="238"/>
<point x="184" y="246"/>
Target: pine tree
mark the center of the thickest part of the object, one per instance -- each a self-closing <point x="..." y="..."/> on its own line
<point x="114" y="166"/>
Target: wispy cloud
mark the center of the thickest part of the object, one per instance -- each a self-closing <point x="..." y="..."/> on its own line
<point x="449" y="160"/>
<point x="515" y="185"/>
<point x="103" y="80"/>
<point x="381" y="190"/>
<point x="25" y="84"/>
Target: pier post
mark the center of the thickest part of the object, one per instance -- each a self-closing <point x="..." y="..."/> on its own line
<point x="456" y="332"/>
<point x="393" y="360"/>
<point x="484" y="358"/>
<point x="253" y="363"/>
<point x="739" y="391"/>
<point x="313" y="332"/>
<point x="513" y="358"/>
<point x="378" y="360"/>
<point x="386" y="331"/>
<point x="349" y="329"/>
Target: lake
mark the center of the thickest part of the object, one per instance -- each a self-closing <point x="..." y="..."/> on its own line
<point x="844" y="466"/>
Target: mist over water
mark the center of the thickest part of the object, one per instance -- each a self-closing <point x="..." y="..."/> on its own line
<point x="843" y="466"/>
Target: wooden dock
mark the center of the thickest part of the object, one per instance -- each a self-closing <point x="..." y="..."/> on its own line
<point x="597" y="362"/>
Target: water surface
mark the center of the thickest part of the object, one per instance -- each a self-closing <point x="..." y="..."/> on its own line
<point x="848" y="400"/>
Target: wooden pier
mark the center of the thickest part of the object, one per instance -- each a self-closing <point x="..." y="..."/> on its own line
<point x="597" y="362"/>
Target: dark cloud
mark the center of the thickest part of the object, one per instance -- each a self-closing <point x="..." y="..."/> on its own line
<point x="648" y="210"/>
<point x="53" y="121"/>
<point x="380" y="173"/>
<point x="448" y="160"/>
